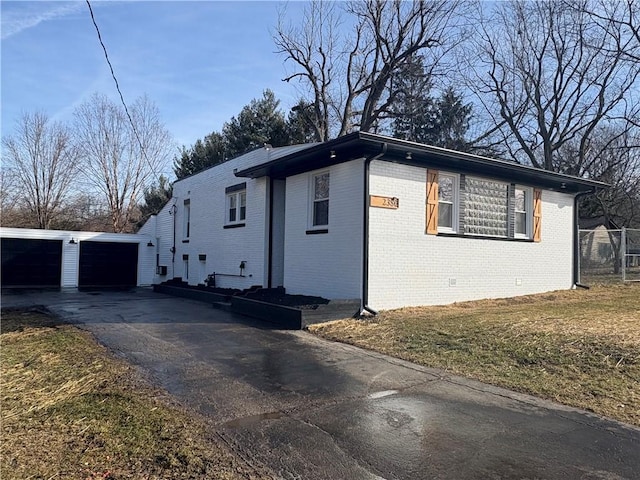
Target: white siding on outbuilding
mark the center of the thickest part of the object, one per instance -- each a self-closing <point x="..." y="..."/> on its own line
<point x="71" y="251"/>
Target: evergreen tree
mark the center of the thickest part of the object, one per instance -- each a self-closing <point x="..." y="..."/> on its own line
<point x="412" y="108"/>
<point x="258" y="123"/>
<point x="155" y="198"/>
<point x="419" y="117"/>
<point x="201" y="155"/>
<point x="450" y="122"/>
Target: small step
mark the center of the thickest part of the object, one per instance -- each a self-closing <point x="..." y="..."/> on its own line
<point x="226" y="306"/>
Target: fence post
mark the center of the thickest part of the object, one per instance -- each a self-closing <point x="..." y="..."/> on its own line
<point x="623" y="253"/>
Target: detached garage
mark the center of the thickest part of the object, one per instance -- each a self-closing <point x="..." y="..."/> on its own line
<point x="108" y="264"/>
<point x="56" y="258"/>
<point x="31" y="262"/>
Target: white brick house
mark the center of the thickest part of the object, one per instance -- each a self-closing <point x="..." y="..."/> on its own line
<point x="390" y="222"/>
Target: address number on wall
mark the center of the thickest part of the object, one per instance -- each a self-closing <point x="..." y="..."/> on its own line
<point x="384" y="202"/>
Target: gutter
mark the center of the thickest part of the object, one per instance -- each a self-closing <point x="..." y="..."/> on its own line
<point x="364" y="306"/>
<point x="576" y="238"/>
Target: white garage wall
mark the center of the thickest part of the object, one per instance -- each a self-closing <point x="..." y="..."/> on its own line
<point x="70" y="252"/>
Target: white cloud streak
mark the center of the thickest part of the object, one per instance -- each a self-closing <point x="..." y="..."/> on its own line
<point x="20" y="16"/>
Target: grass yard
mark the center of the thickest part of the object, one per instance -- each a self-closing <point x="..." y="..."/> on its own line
<point x="577" y="347"/>
<point x="72" y="410"/>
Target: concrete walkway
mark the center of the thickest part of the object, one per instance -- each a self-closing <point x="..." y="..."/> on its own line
<point x="312" y="409"/>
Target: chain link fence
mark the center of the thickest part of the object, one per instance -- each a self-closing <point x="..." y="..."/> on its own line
<point x="609" y="256"/>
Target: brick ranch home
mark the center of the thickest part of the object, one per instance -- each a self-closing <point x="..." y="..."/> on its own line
<point x="390" y="222"/>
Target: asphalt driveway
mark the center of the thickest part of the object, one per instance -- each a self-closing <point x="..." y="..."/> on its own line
<point x="311" y="409"/>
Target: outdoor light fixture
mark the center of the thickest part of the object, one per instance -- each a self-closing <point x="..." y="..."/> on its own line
<point x="332" y="154"/>
<point x="408" y="157"/>
<point x="72" y="241"/>
<point x="150" y="244"/>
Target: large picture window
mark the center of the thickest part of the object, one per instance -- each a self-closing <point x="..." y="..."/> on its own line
<point x="320" y="200"/>
<point x="486" y="207"/>
<point x="481" y="207"/>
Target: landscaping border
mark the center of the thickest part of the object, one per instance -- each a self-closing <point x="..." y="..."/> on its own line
<point x="282" y="316"/>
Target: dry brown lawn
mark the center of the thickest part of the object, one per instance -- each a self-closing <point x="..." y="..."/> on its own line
<point x="577" y="347"/>
<point x="72" y="410"/>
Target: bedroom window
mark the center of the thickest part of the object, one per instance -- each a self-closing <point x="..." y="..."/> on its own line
<point x="319" y="200"/>
<point x="236" y="207"/>
<point x="522" y="206"/>
<point x="448" y="193"/>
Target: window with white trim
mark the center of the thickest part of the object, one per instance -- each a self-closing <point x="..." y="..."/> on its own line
<point x="522" y="208"/>
<point x="319" y="201"/>
<point x="448" y="193"/>
<point x="476" y="206"/>
<point x="185" y="267"/>
<point x="186" y="227"/>
<point x="236" y="207"/>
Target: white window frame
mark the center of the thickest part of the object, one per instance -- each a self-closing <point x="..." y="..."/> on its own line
<point x="312" y="200"/>
<point x="528" y="205"/>
<point x="455" y="210"/>
<point x="185" y="269"/>
<point x="186" y="224"/>
<point x="241" y="216"/>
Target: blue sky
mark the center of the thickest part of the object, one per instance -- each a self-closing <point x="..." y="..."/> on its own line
<point x="199" y="61"/>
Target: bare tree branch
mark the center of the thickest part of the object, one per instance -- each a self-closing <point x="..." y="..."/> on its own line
<point x="348" y="79"/>
<point x="41" y="159"/>
<point x="118" y="161"/>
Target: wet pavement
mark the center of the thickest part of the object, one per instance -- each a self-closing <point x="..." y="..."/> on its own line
<point x="311" y="409"/>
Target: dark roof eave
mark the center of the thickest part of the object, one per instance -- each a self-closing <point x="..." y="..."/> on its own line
<point x="362" y="144"/>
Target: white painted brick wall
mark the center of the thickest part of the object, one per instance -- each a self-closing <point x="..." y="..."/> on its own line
<point x="327" y="265"/>
<point x="224" y="248"/>
<point x="408" y="267"/>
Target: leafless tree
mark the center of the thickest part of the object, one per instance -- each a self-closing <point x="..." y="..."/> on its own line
<point x="123" y="152"/>
<point x="347" y="78"/>
<point x="40" y="162"/>
<point x="625" y="14"/>
<point x="619" y="165"/>
<point x="549" y="77"/>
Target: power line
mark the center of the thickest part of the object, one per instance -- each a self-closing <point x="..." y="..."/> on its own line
<point x="113" y="75"/>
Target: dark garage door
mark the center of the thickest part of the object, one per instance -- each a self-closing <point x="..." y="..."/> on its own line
<point x="31" y="262"/>
<point x="108" y="264"/>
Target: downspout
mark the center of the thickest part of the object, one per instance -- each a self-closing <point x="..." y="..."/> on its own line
<point x="172" y="211"/>
<point x="576" y="238"/>
<point x="270" y="252"/>
<point x="364" y="306"/>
